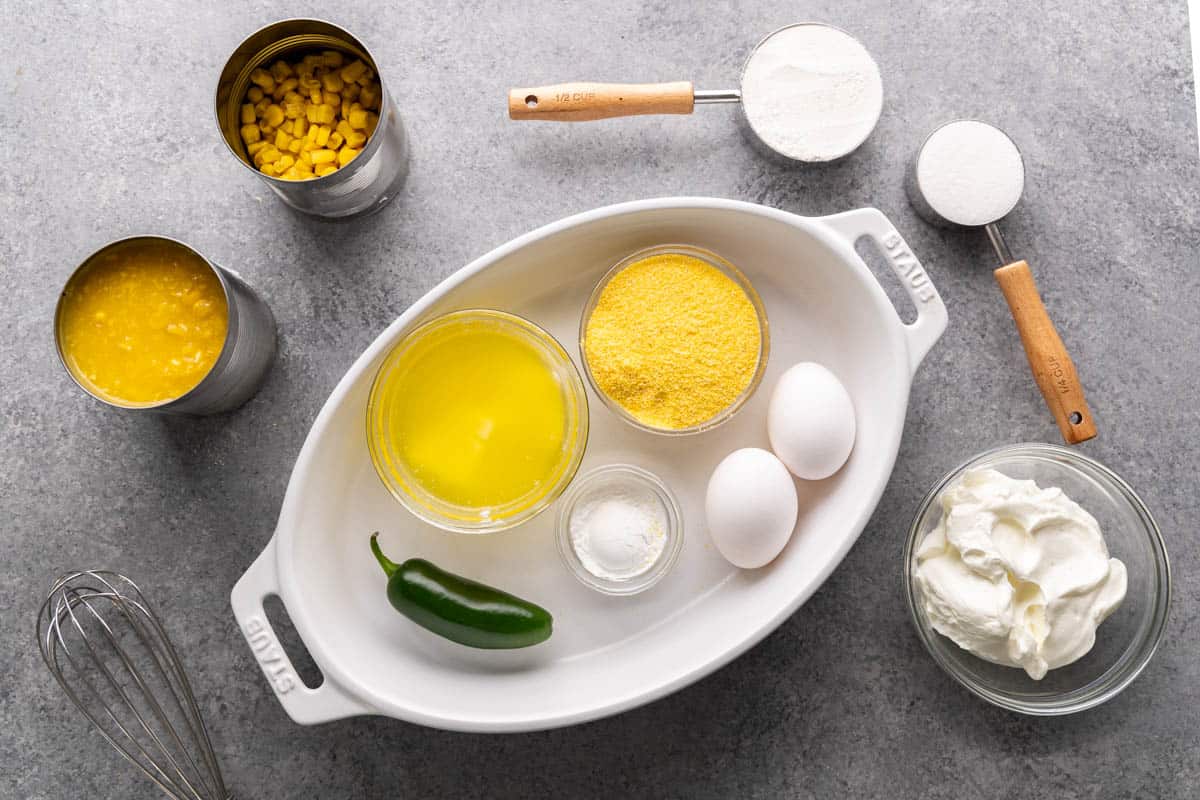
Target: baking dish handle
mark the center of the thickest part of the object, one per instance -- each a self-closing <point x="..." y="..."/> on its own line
<point x="306" y="706"/>
<point x="931" y="320"/>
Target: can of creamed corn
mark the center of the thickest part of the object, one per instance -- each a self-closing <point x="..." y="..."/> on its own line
<point x="130" y="296"/>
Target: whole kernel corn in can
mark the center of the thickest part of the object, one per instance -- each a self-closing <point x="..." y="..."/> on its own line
<point x="339" y="165"/>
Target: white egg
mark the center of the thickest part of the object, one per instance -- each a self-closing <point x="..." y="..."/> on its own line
<point x="751" y="507"/>
<point x="810" y="421"/>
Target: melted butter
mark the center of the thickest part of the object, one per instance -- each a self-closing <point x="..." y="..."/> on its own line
<point x="476" y="416"/>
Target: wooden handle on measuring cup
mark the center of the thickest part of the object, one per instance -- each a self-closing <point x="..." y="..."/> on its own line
<point x="579" y="102"/>
<point x="1052" y="366"/>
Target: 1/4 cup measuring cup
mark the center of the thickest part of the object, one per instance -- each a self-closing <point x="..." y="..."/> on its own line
<point x="969" y="174"/>
<point x="809" y="92"/>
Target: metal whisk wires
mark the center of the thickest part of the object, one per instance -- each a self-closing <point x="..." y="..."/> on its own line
<point x="104" y="644"/>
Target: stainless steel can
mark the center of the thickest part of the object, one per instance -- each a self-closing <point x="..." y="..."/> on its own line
<point x="245" y="356"/>
<point x="363" y="186"/>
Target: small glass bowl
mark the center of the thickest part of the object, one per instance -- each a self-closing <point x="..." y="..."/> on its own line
<point x="1125" y="641"/>
<point x="399" y="480"/>
<point x="621" y="475"/>
<point x="729" y="270"/>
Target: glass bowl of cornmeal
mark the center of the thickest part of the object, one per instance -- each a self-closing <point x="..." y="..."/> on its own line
<point x="674" y="339"/>
<point x="477" y="421"/>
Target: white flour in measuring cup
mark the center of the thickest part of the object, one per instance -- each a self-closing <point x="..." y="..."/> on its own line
<point x="812" y="92"/>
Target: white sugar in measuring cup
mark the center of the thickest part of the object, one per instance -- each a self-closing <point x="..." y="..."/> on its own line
<point x="970" y="174"/>
<point x="810" y="92"/>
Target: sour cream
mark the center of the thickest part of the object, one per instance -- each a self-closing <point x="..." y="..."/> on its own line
<point x="1017" y="574"/>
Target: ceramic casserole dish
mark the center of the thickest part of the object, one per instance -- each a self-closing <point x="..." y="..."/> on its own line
<point x="608" y="653"/>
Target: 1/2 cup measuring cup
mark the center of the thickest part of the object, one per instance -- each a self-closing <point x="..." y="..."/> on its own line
<point x="809" y="92"/>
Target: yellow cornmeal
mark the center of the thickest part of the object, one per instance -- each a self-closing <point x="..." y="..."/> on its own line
<point x="673" y="340"/>
<point x="143" y="324"/>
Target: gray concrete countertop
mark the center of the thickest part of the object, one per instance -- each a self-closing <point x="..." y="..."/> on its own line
<point x="107" y="130"/>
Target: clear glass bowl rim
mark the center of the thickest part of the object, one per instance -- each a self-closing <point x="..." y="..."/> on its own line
<point x="665" y="562"/>
<point x="1102" y="690"/>
<point x="573" y="385"/>
<point x="727" y="268"/>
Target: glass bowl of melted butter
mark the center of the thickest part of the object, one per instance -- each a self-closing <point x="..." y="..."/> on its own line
<point x="1037" y="578"/>
<point x="477" y="421"/>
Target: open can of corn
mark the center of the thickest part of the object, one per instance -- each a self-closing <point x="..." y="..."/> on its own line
<point x="301" y="103"/>
<point x="147" y="323"/>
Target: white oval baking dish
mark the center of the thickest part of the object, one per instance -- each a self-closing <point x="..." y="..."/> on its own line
<point x="607" y="654"/>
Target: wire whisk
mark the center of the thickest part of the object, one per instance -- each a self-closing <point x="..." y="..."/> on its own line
<point x="108" y="650"/>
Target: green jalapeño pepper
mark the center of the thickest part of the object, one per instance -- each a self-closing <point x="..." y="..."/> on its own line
<point x="460" y="609"/>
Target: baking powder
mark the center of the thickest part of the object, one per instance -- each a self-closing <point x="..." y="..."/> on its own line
<point x="618" y="532"/>
<point x="812" y="92"/>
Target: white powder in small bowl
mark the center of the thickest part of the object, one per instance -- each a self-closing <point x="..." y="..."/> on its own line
<point x="812" y="92"/>
<point x="619" y="532"/>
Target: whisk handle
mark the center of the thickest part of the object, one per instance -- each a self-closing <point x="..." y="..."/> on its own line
<point x="304" y="705"/>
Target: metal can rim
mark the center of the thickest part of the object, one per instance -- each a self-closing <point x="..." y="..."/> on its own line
<point x="230" y="328"/>
<point x="372" y="142"/>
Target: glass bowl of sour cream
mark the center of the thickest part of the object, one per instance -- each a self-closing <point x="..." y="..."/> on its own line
<point x="1006" y="580"/>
